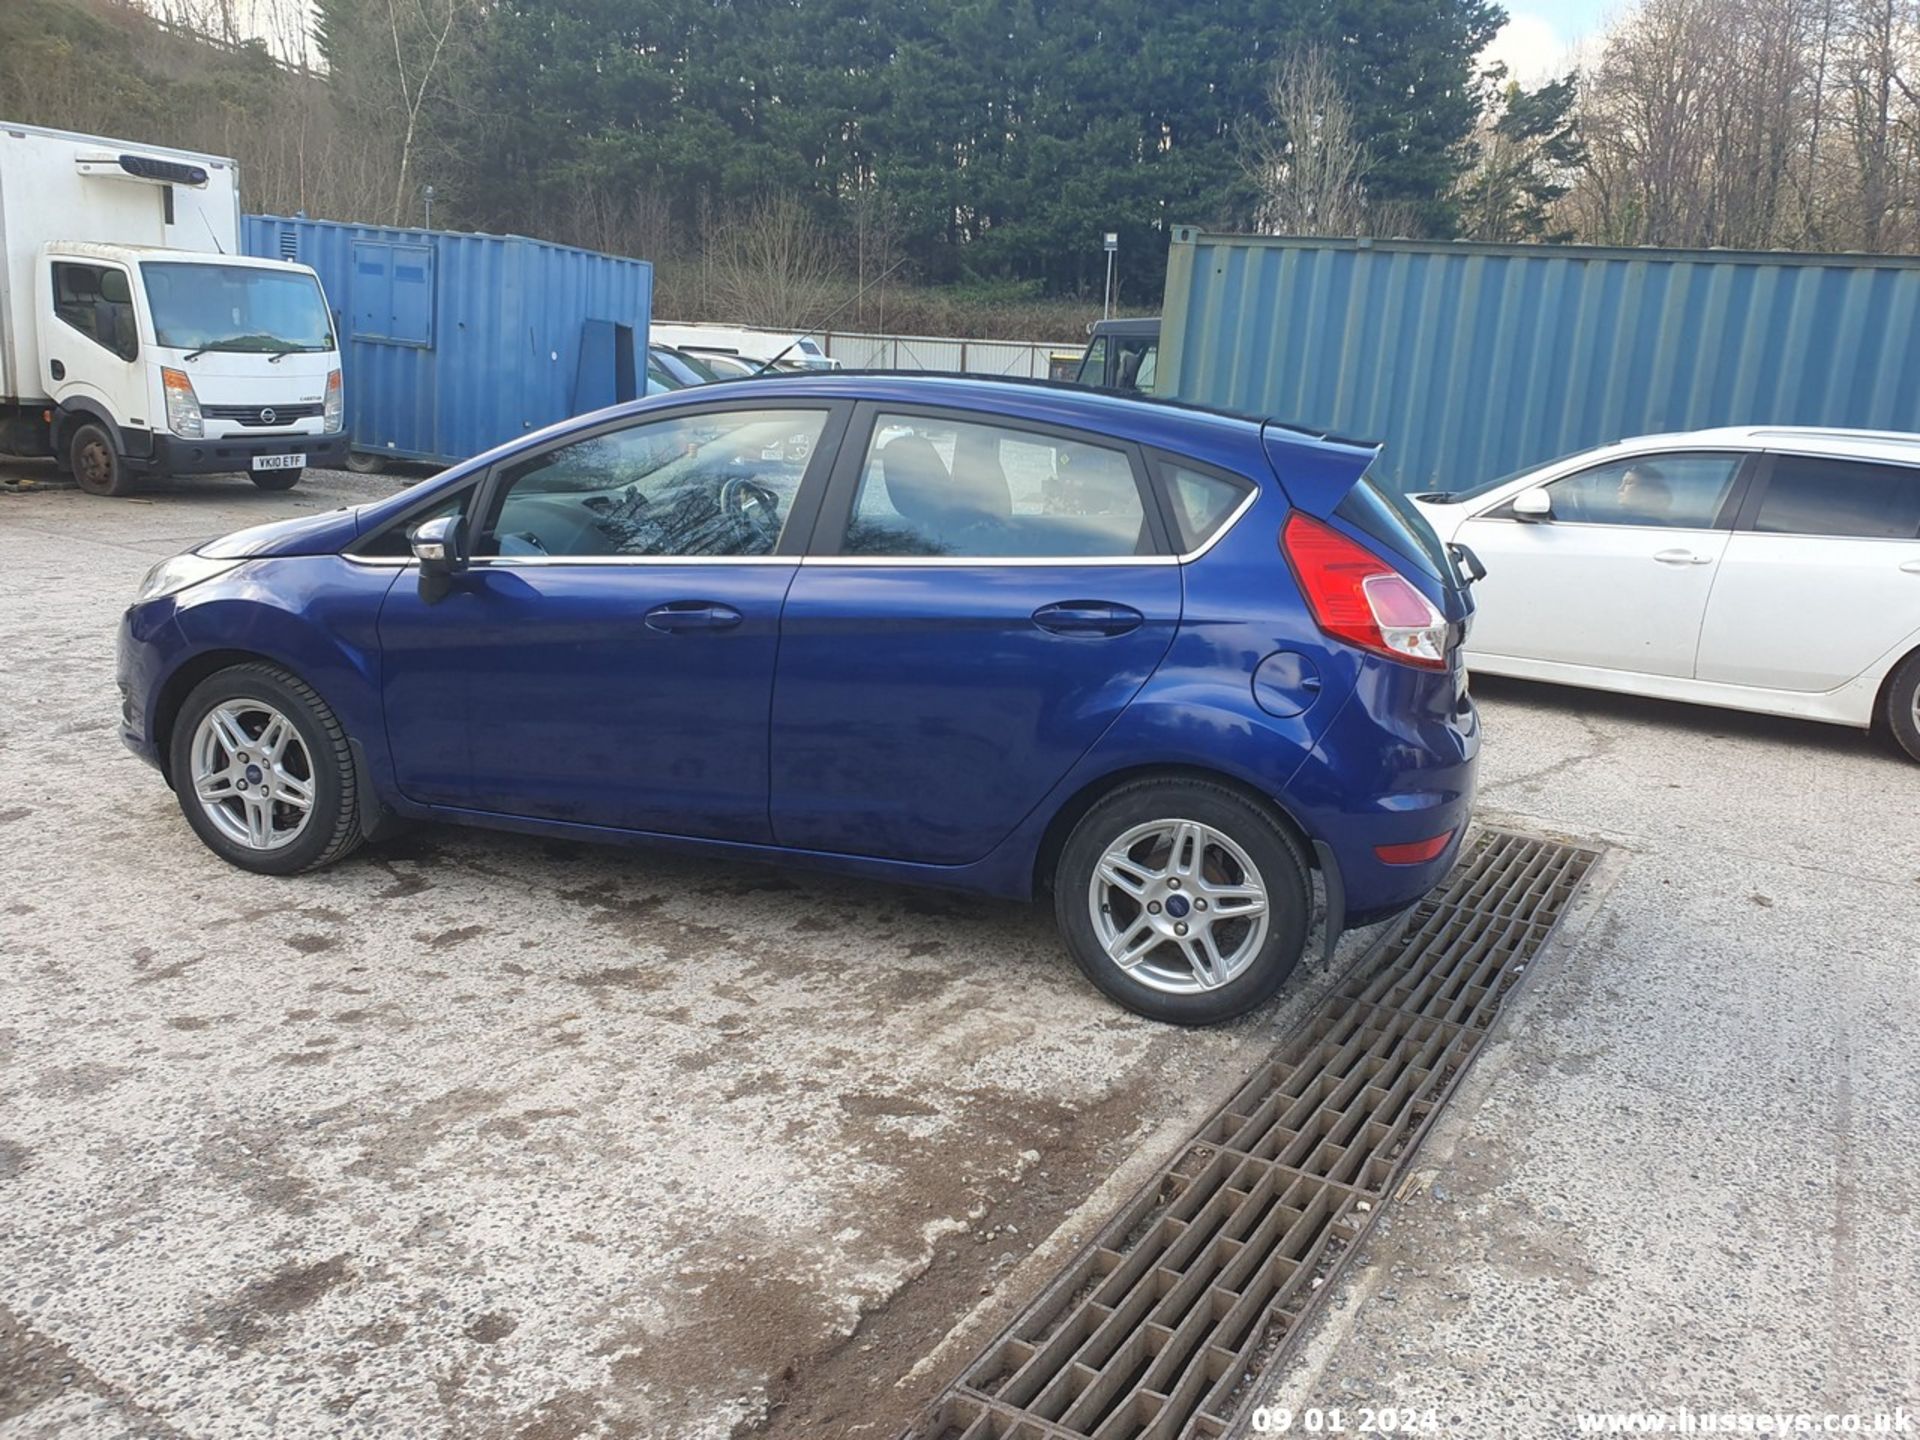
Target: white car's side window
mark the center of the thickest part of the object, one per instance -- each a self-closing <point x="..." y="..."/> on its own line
<point x="1678" y="491"/>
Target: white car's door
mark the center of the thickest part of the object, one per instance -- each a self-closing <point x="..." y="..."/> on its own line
<point x="1617" y="578"/>
<point x="1822" y="577"/>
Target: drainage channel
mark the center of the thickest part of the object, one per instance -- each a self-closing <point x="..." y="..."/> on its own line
<point x="1164" y="1325"/>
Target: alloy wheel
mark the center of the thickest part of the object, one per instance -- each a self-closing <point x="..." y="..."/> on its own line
<point x="1179" y="906"/>
<point x="252" y="774"/>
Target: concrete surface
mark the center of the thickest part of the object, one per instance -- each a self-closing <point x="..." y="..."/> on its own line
<point x="478" y="1136"/>
<point x="483" y="1136"/>
<point x="1682" y="1175"/>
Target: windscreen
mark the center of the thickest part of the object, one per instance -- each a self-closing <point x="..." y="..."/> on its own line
<point x="207" y="306"/>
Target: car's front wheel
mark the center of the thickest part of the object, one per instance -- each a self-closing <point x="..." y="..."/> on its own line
<point x="264" y="773"/>
<point x="1183" y="900"/>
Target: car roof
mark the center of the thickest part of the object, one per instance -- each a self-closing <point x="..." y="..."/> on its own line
<point x="1144" y="420"/>
<point x="1895" y="445"/>
<point x="1147" y="325"/>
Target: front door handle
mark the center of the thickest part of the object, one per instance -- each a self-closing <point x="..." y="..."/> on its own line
<point x="1912" y="567"/>
<point x="1088" y="617"/>
<point x="1682" y="557"/>
<point x="678" y="615"/>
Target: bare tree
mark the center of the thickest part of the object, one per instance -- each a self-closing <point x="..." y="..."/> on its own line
<point x="773" y="265"/>
<point x="1308" y="165"/>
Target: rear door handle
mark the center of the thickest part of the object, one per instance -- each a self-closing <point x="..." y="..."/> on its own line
<point x="1088" y="617"/>
<point x="679" y="615"/>
<point x="1682" y="557"/>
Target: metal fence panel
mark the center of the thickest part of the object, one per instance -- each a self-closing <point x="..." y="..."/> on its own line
<point x="1020" y="359"/>
<point x="1469" y="361"/>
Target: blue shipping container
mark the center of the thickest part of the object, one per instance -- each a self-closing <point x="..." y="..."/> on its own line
<point x="453" y="343"/>
<point x="1470" y="361"/>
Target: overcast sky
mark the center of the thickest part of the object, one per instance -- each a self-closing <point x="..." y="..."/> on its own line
<point x="1541" y="39"/>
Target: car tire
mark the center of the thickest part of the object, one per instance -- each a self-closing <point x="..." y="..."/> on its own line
<point x="275" y="479"/>
<point x="1200" y="847"/>
<point x="365" y="462"/>
<point x="1901" y="709"/>
<point x="263" y="830"/>
<point x="96" y="462"/>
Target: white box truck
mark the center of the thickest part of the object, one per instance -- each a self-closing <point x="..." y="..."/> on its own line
<point x="135" y="339"/>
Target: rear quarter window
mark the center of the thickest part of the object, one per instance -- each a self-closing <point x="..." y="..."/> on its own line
<point x="1389" y="517"/>
<point x="1811" y="495"/>
<point x="1200" y="502"/>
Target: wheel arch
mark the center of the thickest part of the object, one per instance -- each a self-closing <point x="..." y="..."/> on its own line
<point x="1054" y="838"/>
<point x="178" y="685"/>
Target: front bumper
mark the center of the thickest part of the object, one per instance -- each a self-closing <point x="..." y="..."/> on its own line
<point x="172" y="455"/>
<point x="148" y="636"/>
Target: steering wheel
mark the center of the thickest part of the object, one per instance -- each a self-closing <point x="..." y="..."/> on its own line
<point x="751" y="507"/>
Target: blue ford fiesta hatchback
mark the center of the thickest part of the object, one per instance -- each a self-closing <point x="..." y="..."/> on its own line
<point x="1001" y="637"/>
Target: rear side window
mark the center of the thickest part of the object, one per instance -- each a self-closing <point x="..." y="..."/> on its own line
<point x="1201" y="502"/>
<point x="1810" y="495"/>
<point x="934" y="487"/>
<point x="1390" y="518"/>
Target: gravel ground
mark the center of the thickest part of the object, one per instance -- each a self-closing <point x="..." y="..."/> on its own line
<point x="1682" y="1175"/>
<point x="484" y="1136"/>
<point x="478" y="1135"/>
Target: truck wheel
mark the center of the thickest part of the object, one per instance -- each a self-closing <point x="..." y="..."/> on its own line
<point x="365" y="462"/>
<point x="275" y="479"/>
<point x="97" y="466"/>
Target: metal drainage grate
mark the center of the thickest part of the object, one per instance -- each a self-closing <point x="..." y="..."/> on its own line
<point x="1164" y="1324"/>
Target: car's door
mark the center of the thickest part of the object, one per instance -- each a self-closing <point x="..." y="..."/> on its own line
<point x="1618" y="577"/>
<point x="607" y="657"/>
<point x="1821" y="577"/>
<point x="982" y="599"/>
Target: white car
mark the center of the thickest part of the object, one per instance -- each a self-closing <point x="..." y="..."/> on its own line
<point x="1760" y="568"/>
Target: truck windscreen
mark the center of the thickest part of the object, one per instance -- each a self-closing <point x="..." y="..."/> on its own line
<point x="202" y="306"/>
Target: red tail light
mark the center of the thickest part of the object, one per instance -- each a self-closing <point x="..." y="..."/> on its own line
<point x="1416" y="852"/>
<point x="1357" y="597"/>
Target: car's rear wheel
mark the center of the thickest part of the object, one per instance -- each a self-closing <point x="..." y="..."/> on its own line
<point x="264" y="773"/>
<point x="1183" y="900"/>
<point x="1902" y="708"/>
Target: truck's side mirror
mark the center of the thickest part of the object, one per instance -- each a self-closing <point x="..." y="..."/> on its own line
<point x="440" y="545"/>
<point x="1533" y="505"/>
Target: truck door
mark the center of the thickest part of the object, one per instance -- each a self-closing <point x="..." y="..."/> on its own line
<point x="89" y="340"/>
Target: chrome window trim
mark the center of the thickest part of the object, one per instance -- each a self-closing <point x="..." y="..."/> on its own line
<point x="866" y="561"/>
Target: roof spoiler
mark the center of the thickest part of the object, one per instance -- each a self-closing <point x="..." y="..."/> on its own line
<point x="1315" y="470"/>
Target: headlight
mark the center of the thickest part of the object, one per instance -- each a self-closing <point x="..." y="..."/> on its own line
<point x="170" y="577"/>
<point x="335" y="409"/>
<point x="183" y="406"/>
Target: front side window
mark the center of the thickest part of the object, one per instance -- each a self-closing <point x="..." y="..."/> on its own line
<point x="719" y="484"/>
<point x="1679" y="492"/>
<point x="1809" y="495"/>
<point x="97" y="301"/>
<point x="244" y="308"/>
<point x="933" y="487"/>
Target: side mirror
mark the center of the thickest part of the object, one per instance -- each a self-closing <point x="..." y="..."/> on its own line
<point x="1533" y="504"/>
<point x="440" y="545"/>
